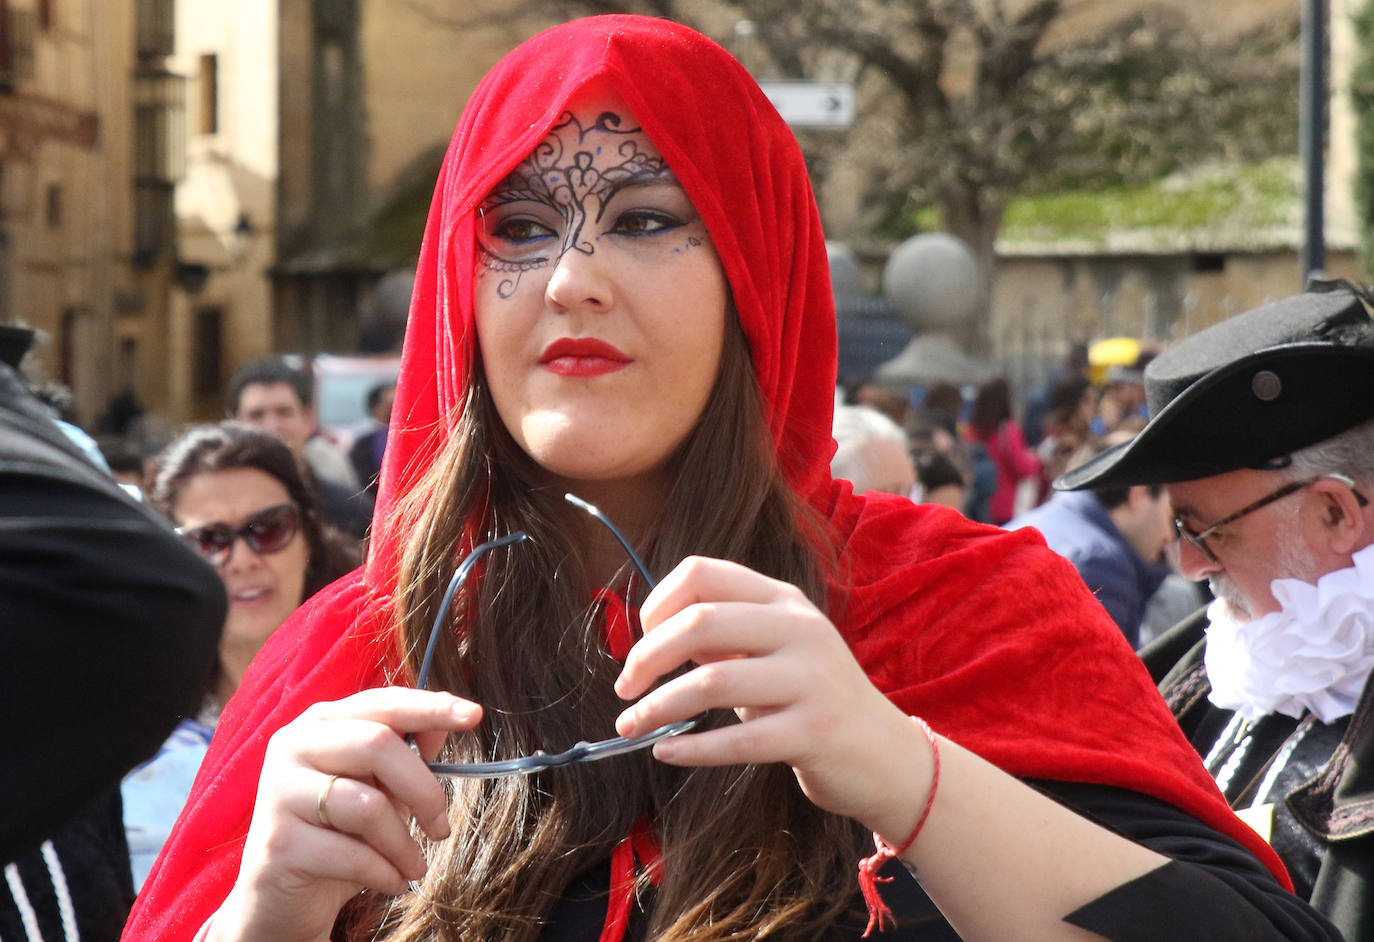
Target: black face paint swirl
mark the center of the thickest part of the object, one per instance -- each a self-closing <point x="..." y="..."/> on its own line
<point x="569" y="172"/>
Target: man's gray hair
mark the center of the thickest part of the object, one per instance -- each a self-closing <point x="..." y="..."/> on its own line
<point x="1351" y="452"/>
<point x="857" y="430"/>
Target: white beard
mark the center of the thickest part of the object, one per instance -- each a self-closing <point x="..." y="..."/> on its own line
<point x="1315" y="653"/>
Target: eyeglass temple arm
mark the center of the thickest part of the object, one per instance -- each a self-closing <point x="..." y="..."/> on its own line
<point x="459" y="576"/>
<point x="461" y="573"/>
<point x="1349" y="482"/>
<point x="620" y="537"/>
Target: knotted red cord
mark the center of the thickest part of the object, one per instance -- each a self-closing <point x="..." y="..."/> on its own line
<point x="878" y="912"/>
<point x="642" y="845"/>
<point x="619" y="627"/>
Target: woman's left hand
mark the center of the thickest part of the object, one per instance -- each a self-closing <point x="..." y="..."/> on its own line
<point x="762" y="649"/>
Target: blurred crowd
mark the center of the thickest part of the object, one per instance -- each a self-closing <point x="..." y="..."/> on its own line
<point x="994" y="456"/>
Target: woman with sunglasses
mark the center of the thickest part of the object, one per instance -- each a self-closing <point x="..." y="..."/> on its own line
<point x="623" y="294"/>
<point x="236" y="496"/>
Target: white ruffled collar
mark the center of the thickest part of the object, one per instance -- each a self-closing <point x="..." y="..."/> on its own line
<point x="1315" y="653"/>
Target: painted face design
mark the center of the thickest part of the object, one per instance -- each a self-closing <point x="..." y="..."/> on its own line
<point x="599" y="302"/>
<point x="570" y="173"/>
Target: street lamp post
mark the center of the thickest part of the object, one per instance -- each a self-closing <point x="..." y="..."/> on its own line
<point x="1311" y="137"/>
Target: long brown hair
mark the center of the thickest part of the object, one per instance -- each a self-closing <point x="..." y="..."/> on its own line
<point x="745" y="853"/>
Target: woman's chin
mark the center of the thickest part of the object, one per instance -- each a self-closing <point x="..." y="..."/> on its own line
<point x="592" y="459"/>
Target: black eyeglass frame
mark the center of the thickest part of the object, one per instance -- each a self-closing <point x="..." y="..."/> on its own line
<point x="245" y="531"/>
<point x="539" y="761"/>
<point x="1199" y="539"/>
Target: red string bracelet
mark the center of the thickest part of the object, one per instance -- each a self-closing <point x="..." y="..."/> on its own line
<point x="878" y="912"/>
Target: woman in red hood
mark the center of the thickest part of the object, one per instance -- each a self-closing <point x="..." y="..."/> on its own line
<point x="623" y="294"/>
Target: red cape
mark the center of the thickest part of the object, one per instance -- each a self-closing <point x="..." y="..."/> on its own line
<point x="991" y="638"/>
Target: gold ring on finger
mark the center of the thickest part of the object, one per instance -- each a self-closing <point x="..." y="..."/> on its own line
<point x="322" y="802"/>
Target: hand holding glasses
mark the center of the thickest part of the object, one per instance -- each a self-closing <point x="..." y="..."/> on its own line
<point x="539" y="761"/>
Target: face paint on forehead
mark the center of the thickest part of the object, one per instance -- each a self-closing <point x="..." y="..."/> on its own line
<point x="575" y="170"/>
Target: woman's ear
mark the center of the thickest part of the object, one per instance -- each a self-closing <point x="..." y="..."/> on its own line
<point x="1346" y="525"/>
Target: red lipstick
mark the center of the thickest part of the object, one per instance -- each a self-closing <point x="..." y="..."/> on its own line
<point x="582" y="356"/>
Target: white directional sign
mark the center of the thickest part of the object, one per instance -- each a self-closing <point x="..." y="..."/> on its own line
<point x="812" y="104"/>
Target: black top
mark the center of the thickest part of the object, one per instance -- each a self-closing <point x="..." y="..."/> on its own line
<point x="109" y="627"/>
<point x="1213" y="889"/>
<point x="77" y="886"/>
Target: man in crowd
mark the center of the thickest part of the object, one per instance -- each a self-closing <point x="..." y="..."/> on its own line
<point x="368" y="448"/>
<point x="1262" y="429"/>
<point x="276" y="396"/>
<point x="1115" y="537"/>
<point x="871" y="451"/>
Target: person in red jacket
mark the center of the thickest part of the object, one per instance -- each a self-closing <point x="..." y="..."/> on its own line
<point x="997" y="439"/>
<point x="623" y="294"/>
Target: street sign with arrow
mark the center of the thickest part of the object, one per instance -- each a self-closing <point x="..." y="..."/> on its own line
<point x="812" y="104"/>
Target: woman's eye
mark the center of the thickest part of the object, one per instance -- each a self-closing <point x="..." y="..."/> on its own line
<point x="521" y="231"/>
<point x="645" y="222"/>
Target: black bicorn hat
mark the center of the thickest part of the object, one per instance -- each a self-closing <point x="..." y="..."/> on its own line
<point x="1248" y="392"/>
<point x="14" y="343"/>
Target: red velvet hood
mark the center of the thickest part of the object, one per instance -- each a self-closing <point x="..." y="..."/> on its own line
<point x="737" y="161"/>
<point x="989" y="636"/>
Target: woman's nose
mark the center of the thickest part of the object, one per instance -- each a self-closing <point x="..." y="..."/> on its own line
<point x="579" y="281"/>
<point x="239" y="553"/>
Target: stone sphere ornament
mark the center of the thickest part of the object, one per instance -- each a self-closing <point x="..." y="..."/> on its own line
<point x="932" y="280"/>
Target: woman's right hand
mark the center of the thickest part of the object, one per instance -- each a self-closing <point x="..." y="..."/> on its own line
<point x="296" y="872"/>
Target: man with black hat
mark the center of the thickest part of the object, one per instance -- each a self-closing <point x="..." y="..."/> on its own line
<point x="1262" y="428"/>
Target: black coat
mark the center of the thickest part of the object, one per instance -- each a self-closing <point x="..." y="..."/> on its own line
<point x="1335" y="807"/>
<point x="109" y="627"/>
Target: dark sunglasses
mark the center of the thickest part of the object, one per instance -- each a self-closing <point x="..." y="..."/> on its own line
<point x="267" y="531"/>
<point x="539" y="761"/>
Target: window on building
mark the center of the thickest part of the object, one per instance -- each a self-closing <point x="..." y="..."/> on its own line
<point x="1209" y="262"/>
<point x="66" y="347"/>
<point x="16" y="45"/>
<point x="126" y="364"/>
<point x="207" y="353"/>
<point x="53" y="204"/>
<point x="209" y="93"/>
<point x="6" y="58"/>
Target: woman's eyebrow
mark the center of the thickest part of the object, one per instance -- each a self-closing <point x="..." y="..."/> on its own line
<point x="648" y="177"/>
<point x="640" y="180"/>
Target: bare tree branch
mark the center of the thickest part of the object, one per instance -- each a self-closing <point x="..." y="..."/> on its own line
<point x="965" y="103"/>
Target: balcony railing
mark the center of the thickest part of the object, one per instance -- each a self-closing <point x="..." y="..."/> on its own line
<point x="159" y="125"/>
<point x="159" y="161"/>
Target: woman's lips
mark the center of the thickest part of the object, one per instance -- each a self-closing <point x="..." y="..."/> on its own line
<point x="254" y="596"/>
<point x="583" y="357"/>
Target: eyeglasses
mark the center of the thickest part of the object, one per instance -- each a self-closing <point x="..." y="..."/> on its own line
<point x="539" y="761"/>
<point x="1199" y="539"/>
<point x="267" y="531"/>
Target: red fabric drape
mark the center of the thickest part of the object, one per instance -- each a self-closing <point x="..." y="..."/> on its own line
<point x="989" y="636"/>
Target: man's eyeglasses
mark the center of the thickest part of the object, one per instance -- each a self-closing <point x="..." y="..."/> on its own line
<point x="539" y="761"/>
<point x="1199" y="539"/>
<point x="267" y="531"/>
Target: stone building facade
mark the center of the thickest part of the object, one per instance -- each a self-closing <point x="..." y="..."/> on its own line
<point x="88" y="122"/>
